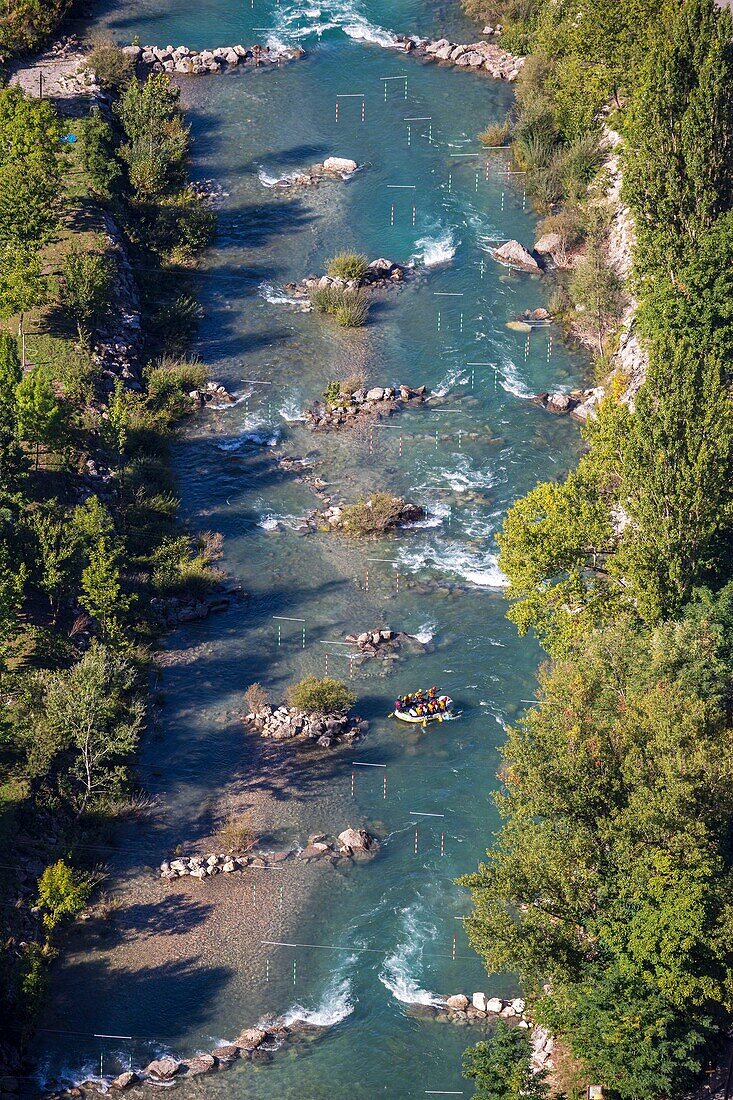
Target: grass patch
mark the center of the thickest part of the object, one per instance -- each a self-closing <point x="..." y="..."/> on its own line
<point x="350" y="308"/>
<point x="347" y="265"/>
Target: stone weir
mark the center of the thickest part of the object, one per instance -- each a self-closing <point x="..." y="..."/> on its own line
<point x="255" y="1044"/>
<point x="182" y="61"/>
<point x="478" y="56"/>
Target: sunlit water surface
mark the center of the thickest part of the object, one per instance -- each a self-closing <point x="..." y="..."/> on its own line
<point x="180" y="968"/>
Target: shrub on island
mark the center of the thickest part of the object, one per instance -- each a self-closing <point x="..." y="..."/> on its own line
<point x="349" y="307"/>
<point x="376" y="514"/>
<point x="347" y="265"/>
<point x="324" y="696"/>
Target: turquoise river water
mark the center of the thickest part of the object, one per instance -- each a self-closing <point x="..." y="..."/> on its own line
<point x="182" y="967"/>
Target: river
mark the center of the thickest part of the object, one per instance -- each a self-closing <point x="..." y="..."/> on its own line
<point x="181" y="967"/>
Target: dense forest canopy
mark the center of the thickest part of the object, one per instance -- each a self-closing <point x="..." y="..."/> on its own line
<point x="607" y="888"/>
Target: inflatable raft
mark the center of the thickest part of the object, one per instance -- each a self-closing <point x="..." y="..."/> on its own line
<point x="417" y="713"/>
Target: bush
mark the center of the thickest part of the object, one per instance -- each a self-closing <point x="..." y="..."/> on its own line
<point x="353" y="310"/>
<point x="61" y="893"/>
<point x="174" y="324"/>
<point x="332" y="393"/>
<point x="496" y="133"/>
<point x="347" y="265"/>
<point x="113" y="68"/>
<point x="326" y="696"/>
<point x="372" y="516"/>
<point x="170" y="380"/>
<point x="236" y="834"/>
<point x="256" y="697"/>
<point x="349" y="307"/>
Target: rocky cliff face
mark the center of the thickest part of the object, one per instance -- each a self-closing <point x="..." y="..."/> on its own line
<point x="630" y="360"/>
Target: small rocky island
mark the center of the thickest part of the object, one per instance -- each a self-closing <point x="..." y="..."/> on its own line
<point x="383" y="642"/>
<point x="343" y="406"/>
<point x="371" y="517"/>
<point x="375" y="275"/>
<point x="332" y="168"/>
<point x="314" y="710"/>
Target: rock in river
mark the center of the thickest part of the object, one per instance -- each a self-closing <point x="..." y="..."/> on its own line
<point x="513" y="254"/>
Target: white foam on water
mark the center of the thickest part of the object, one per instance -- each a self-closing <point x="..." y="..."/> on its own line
<point x="271" y="521"/>
<point x="426" y="633"/>
<point x="224" y="405"/>
<point x="300" y="23"/>
<point x="397" y="970"/>
<point x="253" y="437"/>
<point x="276" y="297"/>
<point x="364" y="31"/>
<point x="436" y="511"/>
<point x="462" y="477"/>
<point x="455" y="376"/>
<point x="436" y="251"/>
<point x="453" y="558"/>
<point x="291" y="410"/>
<point x="267" y="180"/>
<point x="336" y="1004"/>
<point x="511" y="381"/>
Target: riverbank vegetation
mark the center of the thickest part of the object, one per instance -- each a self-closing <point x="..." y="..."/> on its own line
<point x="26" y="24"/>
<point x="88" y="529"/>
<point x="607" y="889"/>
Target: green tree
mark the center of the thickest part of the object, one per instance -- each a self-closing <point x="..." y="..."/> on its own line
<point x="11" y="456"/>
<point x="102" y="588"/>
<point x="676" y="487"/>
<point x="40" y="419"/>
<point x="98" y="152"/>
<point x="324" y="696"/>
<point x="157" y="138"/>
<point x="58" y="545"/>
<point x="501" y="1068"/>
<point x="608" y="886"/>
<point x="87" y="286"/>
<point x="78" y="726"/>
<point x="62" y="893"/>
<point x="595" y="288"/>
<point x="22" y="286"/>
<point x="678" y="167"/>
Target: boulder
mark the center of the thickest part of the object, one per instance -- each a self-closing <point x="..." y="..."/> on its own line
<point x="513" y="254"/>
<point x="433" y="47"/>
<point x="339" y="164"/>
<point x="548" y="244"/>
<point x="494" y="1004"/>
<point x="231" y="57"/>
<point x="135" y="52"/>
<point x="559" y="403"/>
<point x="312" y="851"/>
<point x="162" y="1069"/>
<point x="444" y="53"/>
<point x="479" y="1002"/>
<point x="226" y="1054"/>
<point x="376" y="394"/>
<point x="125" y="1080"/>
<point x="251" y="1038"/>
<point x="358" y="840"/>
<point x="202" y="1063"/>
<point x="459" y="1001"/>
<point x="518" y="1005"/>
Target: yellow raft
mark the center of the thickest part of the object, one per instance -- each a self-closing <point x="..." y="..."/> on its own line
<point x="409" y="716"/>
